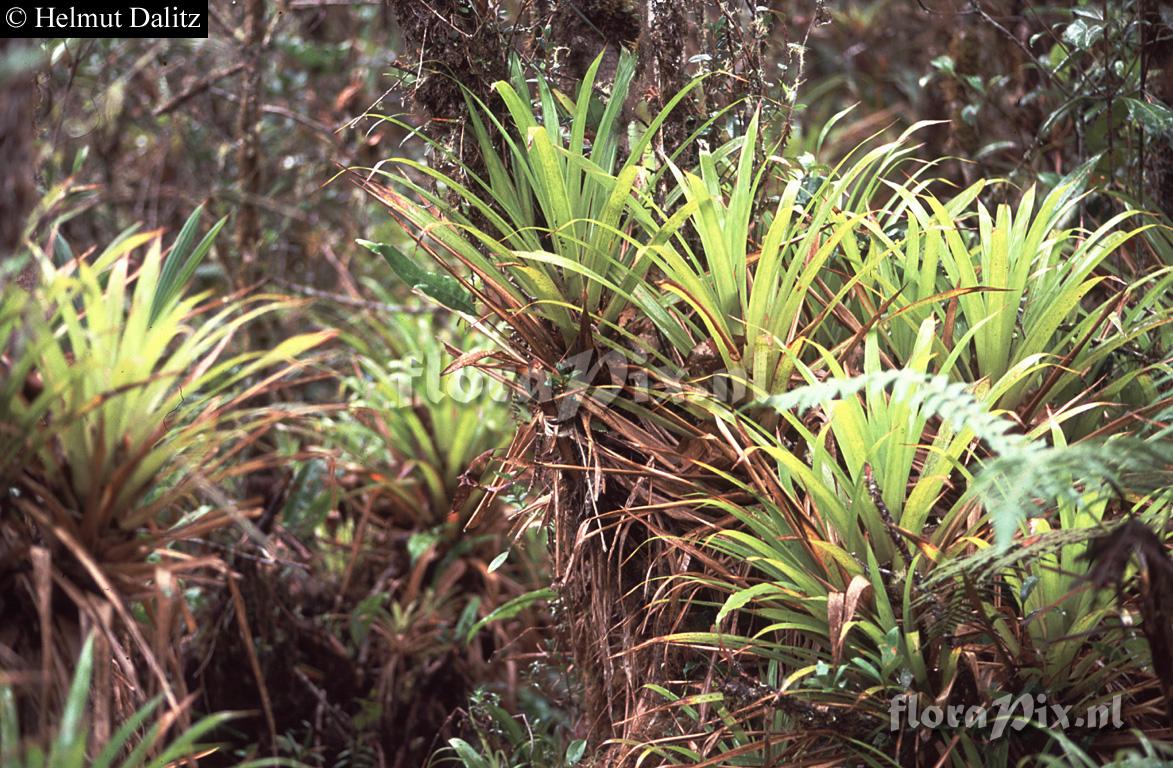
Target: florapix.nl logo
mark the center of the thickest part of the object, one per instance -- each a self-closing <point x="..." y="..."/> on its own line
<point x="907" y="712"/>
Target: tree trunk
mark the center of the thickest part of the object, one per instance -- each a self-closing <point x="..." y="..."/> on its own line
<point x="18" y="192"/>
<point x="248" y="226"/>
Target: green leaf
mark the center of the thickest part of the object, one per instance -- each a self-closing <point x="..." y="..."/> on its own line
<point x="498" y="561"/>
<point x="575" y="751"/>
<point x="9" y="726"/>
<point x="468" y="616"/>
<point x="510" y="609"/>
<point x="420" y="541"/>
<point x="182" y="262"/>
<point x="738" y="599"/>
<point x="187" y="743"/>
<point x="119" y="741"/>
<point x="1082" y="35"/>
<point x="1153" y="117"/>
<point x="443" y="288"/>
<point x="69" y="746"/>
<point x="1028" y="586"/>
<point x="468" y="756"/>
<point x="79" y="159"/>
<point x="62" y="252"/>
<point x="364" y="614"/>
<point x="944" y="64"/>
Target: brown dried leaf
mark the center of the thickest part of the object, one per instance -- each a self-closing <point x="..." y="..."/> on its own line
<point x="841" y="607"/>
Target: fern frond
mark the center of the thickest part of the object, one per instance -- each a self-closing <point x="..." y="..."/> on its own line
<point x="1025" y="474"/>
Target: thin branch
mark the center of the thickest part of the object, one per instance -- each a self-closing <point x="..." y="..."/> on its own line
<point x="197" y="88"/>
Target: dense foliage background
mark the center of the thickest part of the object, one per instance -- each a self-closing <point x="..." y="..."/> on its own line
<point x="588" y="382"/>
